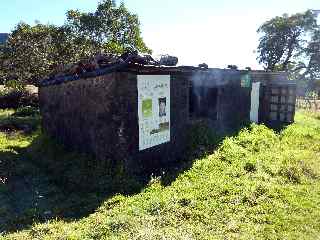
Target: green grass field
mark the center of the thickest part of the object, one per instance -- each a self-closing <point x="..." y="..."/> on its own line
<point x="257" y="185"/>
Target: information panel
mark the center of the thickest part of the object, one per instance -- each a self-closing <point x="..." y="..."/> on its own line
<point x="245" y="81"/>
<point x="153" y="110"/>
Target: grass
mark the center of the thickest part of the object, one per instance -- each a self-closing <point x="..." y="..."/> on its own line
<point x="257" y="185"/>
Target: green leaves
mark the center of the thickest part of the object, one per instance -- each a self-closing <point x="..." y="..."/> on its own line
<point x="33" y="52"/>
<point x="283" y="39"/>
<point x="292" y="44"/>
<point x="108" y="28"/>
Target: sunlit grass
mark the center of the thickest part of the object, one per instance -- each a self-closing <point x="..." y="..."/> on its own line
<point x="256" y="185"/>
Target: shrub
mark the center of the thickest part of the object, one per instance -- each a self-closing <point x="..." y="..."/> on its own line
<point x="201" y="139"/>
<point x="26" y="111"/>
<point x="16" y="97"/>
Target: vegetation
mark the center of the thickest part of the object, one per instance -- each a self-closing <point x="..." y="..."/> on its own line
<point x="18" y="96"/>
<point x="282" y="38"/>
<point x="292" y="43"/>
<point x="258" y="184"/>
<point x="33" y="52"/>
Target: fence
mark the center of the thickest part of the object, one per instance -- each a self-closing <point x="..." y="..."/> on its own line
<point x="308" y="104"/>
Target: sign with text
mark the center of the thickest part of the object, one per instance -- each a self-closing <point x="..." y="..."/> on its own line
<point x="245" y="81"/>
<point x="153" y="110"/>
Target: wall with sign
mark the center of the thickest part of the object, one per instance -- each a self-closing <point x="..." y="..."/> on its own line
<point x="153" y="110"/>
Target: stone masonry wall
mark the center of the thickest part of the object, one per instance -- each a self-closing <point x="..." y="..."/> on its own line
<point x="218" y="97"/>
<point x="99" y="116"/>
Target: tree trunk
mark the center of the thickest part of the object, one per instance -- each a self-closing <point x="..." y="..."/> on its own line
<point x="290" y="52"/>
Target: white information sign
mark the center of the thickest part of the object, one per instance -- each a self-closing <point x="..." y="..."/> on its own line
<point x="153" y="110"/>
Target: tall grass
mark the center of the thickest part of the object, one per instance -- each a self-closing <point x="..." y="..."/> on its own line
<point x="258" y="184"/>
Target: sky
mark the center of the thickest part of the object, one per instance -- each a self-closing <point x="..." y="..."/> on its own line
<point x="215" y="32"/>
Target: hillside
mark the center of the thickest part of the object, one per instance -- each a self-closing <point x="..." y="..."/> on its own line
<point x="258" y="184"/>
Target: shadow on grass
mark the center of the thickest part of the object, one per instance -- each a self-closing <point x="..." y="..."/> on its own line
<point x="203" y="141"/>
<point x="46" y="182"/>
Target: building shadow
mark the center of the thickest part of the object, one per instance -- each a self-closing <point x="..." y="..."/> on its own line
<point x="44" y="181"/>
<point x="205" y="141"/>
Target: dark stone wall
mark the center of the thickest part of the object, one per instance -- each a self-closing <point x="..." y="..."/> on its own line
<point x="277" y="104"/>
<point x="266" y="77"/>
<point x="99" y="116"/>
<point x="277" y="98"/>
<point x="218" y="97"/>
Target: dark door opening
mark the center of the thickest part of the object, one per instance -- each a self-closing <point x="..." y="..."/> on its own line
<point x="204" y="102"/>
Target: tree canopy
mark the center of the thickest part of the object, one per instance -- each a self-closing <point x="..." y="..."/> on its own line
<point x="32" y="52"/>
<point x="109" y="28"/>
<point x="283" y="39"/>
<point x="292" y="44"/>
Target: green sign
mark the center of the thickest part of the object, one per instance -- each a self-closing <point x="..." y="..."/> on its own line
<point x="246" y="81"/>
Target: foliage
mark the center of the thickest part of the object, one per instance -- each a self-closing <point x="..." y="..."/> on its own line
<point x="292" y="43"/>
<point x="201" y="140"/>
<point x="283" y="38"/>
<point x="108" y="29"/>
<point x="313" y="53"/>
<point x="15" y="97"/>
<point x="257" y="185"/>
<point x="33" y="52"/>
<point x="26" y="111"/>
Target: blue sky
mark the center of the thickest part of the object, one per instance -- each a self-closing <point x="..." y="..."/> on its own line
<point x="216" y="32"/>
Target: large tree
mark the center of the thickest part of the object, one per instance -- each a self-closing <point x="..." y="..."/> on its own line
<point x="32" y="52"/>
<point x="109" y="28"/>
<point x="292" y="44"/>
<point x="284" y="38"/>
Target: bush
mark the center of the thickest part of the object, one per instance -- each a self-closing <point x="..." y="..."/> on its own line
<point x="15" y="98"/>
<point x="26" y="111"/>
<point x="201" y="139"/>
<point x="10" y="99"/>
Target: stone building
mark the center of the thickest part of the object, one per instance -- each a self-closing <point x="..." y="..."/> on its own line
<point x="229" y="98"/>
<point x="135" y="115"/>
<point x="138" y="115"/>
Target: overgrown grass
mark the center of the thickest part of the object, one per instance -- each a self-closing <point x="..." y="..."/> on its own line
<point x="257" y="185"/>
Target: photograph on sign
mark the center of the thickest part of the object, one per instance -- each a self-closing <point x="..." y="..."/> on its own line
<point x="147" y="108"/>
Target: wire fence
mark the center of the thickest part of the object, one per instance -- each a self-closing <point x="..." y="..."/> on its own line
<point x="308" y="104"/>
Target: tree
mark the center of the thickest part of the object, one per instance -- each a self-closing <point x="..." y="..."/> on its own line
<point x="292" y="44"/>
<point x="33" y="52"/>
<point x="108" y="29"/>
<point x="283" y="38"/>
<point x="313" y="54"/>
